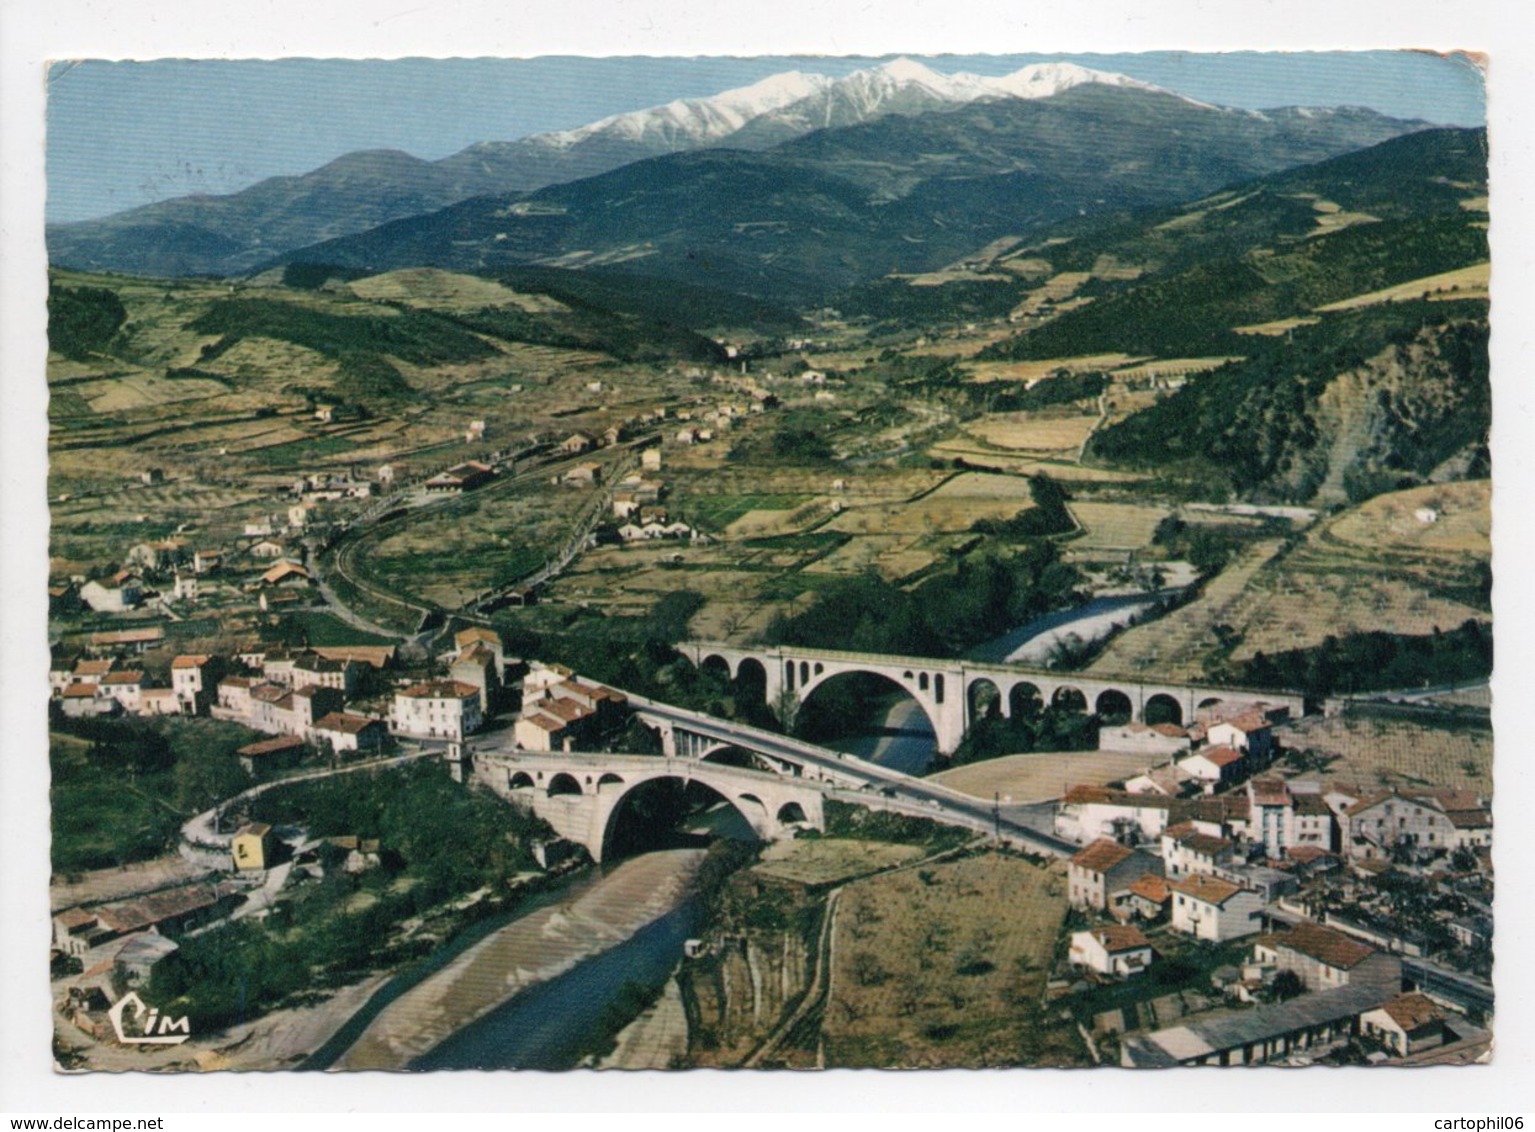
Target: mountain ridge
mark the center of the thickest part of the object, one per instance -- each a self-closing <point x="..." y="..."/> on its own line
<point x="234" y="233"/>
<point x="841" y="206"/>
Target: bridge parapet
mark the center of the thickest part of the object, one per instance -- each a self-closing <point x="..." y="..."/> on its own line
<point x="580" y="794"/>
<point x="950" y="691"/>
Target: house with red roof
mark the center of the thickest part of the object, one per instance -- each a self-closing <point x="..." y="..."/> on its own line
<point x="436" y="709"/>
<point x="1213" y="909"/>
<point x="1111" y="949"/>
<point x="1408" y="1024"/>
<point x="1102" y="869"/>
<point x="1324" y="958"/>
<point x="1186" y="851"/>
<point x="1215" y="767"/>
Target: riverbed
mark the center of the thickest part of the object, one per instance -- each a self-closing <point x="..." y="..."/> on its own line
<point x="1035" y="642"/>
<point x="905" y="741"/>
<point x="528" y="957"/>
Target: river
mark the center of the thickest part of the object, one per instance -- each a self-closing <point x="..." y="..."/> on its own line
<point x="527" y="994"/>
<point x="905" y="742"/>
<point x="1033" y="643"/>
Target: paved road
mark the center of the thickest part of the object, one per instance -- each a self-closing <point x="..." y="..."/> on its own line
<point x="853" y="779"/>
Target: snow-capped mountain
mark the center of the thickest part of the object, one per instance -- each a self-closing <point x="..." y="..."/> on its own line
<point x="235" y="232"/>
<point x="786" y="105"/>
<point x="904" y="86"/>
<point x="696" y="120"/>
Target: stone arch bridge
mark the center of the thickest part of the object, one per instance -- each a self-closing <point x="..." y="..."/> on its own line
<point x="948" y="691"/>
<point x="580" y="794"/>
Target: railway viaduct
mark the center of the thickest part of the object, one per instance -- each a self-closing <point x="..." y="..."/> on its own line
<point x="949" y="691"/>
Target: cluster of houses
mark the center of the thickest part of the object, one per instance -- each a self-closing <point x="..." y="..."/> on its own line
<point x="1213" y="846"/>
<point x="171" y="570"/>
<point x="299" y="698"/>
<point x="96" y="686"/>
<point x="1341" y="985"/>
<point x="1340" y="989"/>
<point x="1223" y="748"/>
<point x="560" y="711"/>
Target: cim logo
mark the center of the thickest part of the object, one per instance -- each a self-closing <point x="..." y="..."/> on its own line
<point x="154" y="1030"/>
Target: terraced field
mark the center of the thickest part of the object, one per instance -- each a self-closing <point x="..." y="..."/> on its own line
<point x="1375" y="566"/>
<point x="1116" y="526"/>
<point x="1060" y="432"/>
<point x="952" y="507"/>
<point x="1378" y="753"/>
<point x="946" y="966"/>
<point x="1176" y="646"/>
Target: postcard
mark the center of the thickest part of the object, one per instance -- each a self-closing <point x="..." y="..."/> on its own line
<point x="912" y="562"/>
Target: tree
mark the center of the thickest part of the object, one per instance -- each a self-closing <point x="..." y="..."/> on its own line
<point x="1287" y="985"/>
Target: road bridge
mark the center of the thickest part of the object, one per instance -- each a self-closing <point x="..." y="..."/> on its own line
<point x="953" y="693"/>
<point x="580" y="795"/>
<point x="694" y="742"/>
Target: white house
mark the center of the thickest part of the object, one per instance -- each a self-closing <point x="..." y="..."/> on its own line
<point x="1408" y="1024"/>
<point x="1210" y="908"/>
<point x="1427" y="819"/>
<point x="159" y="701"/>
<point x="1250" y="733"/>
<point x="436" y="709"/>
<point x="124" y="687"/>
<point x="1088" y="812"/>
<point x="1163" y="740"/>
<point x="117" y="595"/>
<point x="345" y="731"/>
<point x="1103" y="869"/>
<point x="79" y="701"/>
<point x="1111" y="949"/>
<point x="1324" y="958"/>
<point x="1169" y="780"/>
<point x="1284" y="817"/>
<point x="1215" y="766"/>
<point x="1188" y="852"/>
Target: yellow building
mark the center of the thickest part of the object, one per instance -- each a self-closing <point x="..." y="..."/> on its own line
<point x="252" y="845"/>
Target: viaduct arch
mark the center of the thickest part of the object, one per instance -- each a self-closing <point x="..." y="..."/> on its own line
<point x="948" y="690"/>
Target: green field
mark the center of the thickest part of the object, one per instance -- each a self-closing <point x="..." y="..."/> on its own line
<point x="301" y="451"/>
<point x="325" y="630"/>
<point x="719" y="511"/>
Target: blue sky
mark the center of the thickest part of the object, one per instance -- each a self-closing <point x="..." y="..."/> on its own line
<point x="121" y="134"/>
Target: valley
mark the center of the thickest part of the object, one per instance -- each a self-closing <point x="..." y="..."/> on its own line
<point x="713" y="422"/>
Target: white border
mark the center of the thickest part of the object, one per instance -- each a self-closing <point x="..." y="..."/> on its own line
<point x="31" y="34"/>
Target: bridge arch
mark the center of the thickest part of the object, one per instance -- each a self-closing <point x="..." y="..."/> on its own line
<point x="791" y="812"/>
<point x="984" y="699"/>
<point x="1163" y="708"/>
<point x="727" y="755"/>
<point x="751" y="680"/>
<point x="609" y="779"/>
<point x="521" y="780"/>
<point x="1024" y="699"/>
<point x="1068" y="698"/>
<point x="1209" y="702"/>
<point x="562" y="783"/>
<point x="669" y="794"/>
<point x="715" y="665"/>
<point x="878" y="683"/>
<point x="1114" y="706"/>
